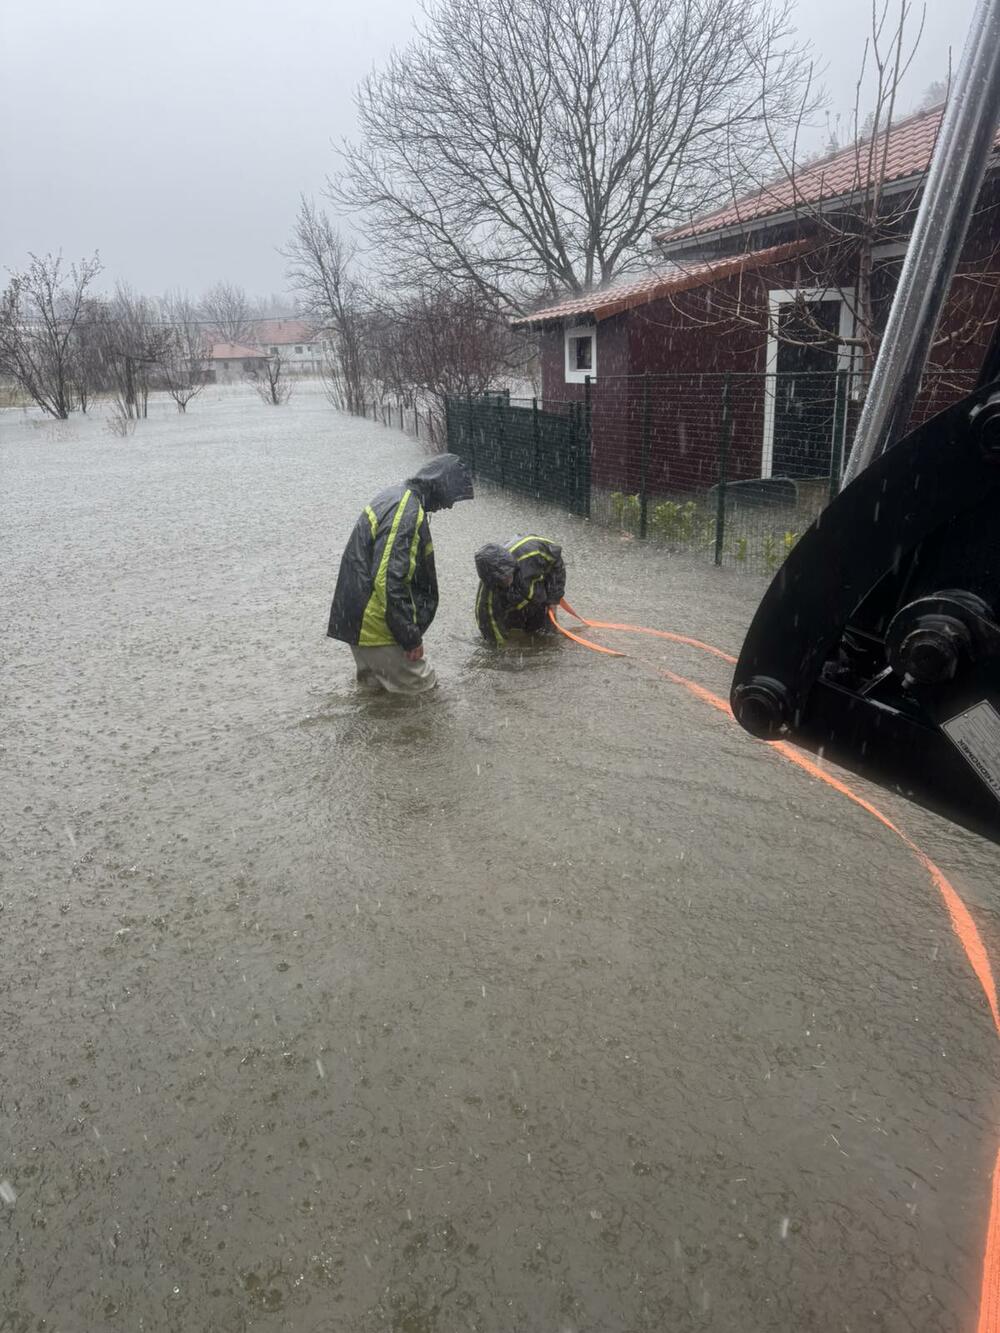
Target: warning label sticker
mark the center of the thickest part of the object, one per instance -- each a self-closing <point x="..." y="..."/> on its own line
<point x="976" y="732"/>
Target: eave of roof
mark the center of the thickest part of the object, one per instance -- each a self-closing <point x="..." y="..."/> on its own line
<point x="604" y="303"/>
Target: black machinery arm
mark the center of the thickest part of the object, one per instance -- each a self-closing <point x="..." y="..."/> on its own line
<point x="878" y="643"/>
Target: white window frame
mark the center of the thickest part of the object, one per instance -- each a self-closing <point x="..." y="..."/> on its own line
<point x="574" y="376"/>
<point x="845" y="352"/>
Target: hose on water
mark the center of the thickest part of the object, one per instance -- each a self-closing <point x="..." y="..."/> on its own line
<point x="962" y="924"/>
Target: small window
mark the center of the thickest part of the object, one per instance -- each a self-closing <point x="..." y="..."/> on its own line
<point x="298" y="351"/>
<point x="581" y="353"/>
<point x="274" y="351"/>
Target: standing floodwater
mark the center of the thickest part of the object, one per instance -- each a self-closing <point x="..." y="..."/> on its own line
<point x="549" y="1001"/>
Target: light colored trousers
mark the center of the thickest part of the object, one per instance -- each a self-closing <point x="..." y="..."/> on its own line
<point x="388" y="666"/>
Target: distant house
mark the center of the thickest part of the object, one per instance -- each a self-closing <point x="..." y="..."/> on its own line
<point x="230" y="363"/>
<point x="727" y="297"/>
<point x="301" y="349"/>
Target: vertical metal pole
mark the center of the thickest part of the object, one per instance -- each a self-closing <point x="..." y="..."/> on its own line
<point x="964" y="144"/>
<point x="839" y="432"/>
<point x="501" y="443"/>
<point x="588" y="446"/>
<point x="725" y="439"/>
<point x="575" y="496"/>
<point x="644" y="458"/>
<point x="535" y="442"/>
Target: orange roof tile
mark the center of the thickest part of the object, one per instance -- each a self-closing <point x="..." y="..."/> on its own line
<point x="283" y="331"/>
<point x="907" y="147"/>
<point x="603" y="302"/>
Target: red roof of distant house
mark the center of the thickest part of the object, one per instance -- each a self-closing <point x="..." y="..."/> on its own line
<point x="234" y="352"/>
<point x="604" y="302"/>
<point x="907" y="148"/>
<point x="279" y="332"/>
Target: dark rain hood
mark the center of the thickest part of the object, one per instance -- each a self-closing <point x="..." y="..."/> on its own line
<point x="495" y="565"/>
<point x="442" y="482"/>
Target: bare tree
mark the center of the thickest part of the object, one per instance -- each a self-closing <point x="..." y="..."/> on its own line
<point x="228" y="314"/>
<point x="40" y="311"/>
<point x="271" y="382"/>
<point x="321" y="274"/>
<point x="184" y="361"/>
<point x="134" y="342"/>
<point x="531" y="146"/>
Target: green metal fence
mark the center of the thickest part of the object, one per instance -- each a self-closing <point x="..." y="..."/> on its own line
<point x="731" y="467"/>
<point x="542" y="452"/>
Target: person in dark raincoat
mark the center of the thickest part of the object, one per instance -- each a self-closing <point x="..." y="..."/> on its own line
<point x="519" y="581"/>
<point x="387" y="592"/>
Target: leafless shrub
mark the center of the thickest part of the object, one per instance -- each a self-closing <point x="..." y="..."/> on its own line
<point x="271" y="381"/>
<point x="183" y="365"/>
<point x="120" y="422"/>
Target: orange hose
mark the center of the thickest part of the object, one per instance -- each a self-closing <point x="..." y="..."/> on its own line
<point x="989" y="1300"/>
<point x="597" y="647"/>
<point x="644" y="629"/>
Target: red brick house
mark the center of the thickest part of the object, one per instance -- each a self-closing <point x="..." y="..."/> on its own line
<point x="730" y="297"/>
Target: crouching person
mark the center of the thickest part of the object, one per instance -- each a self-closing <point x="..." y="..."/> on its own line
<point x="387" y="592"/>
<point x="518" y="583"/>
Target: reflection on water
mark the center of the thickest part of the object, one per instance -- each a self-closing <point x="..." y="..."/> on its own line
<point x="546" y="1001"/>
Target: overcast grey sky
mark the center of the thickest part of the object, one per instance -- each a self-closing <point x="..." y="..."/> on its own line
<point x="176" y="137"/>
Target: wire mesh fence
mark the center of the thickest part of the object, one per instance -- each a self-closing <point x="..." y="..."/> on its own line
<point x="541" y="450"/>
<point x="421" y="421"/>
<point x="732" y="466"/>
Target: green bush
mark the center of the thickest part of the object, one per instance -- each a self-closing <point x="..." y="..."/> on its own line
<point x="675" y="522"/>
<point x="625" y="510"/>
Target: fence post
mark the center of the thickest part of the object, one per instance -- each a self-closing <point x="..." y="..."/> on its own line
<point x="644" y="458"/>
<point x="724" y="442"/>
<point x="470" y="433"/>
<point x="535" y="447"/>
<point x="588" y="447"/>
<point x="501" y="443"/>
<point x="839" y="433"/>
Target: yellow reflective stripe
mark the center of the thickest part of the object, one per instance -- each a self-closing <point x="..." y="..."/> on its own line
<point x="414" y="545"/>
<point x="493" y="620"/>
<point x="429" y="549"/>
<point x="531" y="592"/>
<point x="372" y="520"/>
<point x="533" y="538"/>
<point x="528" y="554"/>
<point x="374" y="630"/>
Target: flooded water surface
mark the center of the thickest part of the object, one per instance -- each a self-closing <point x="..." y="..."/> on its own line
<point x="548" y="1002"/>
